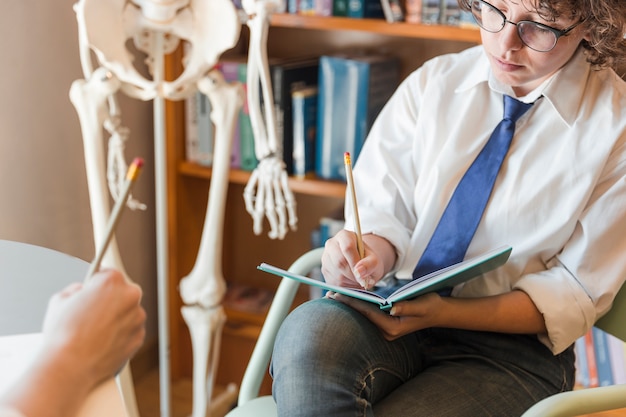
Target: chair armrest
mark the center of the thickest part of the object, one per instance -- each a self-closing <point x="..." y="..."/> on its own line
<point x="281" y="305"/>
<point x="583" y="401"/>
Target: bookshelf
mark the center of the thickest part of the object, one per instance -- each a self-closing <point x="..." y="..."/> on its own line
<point x="289" y="36"/>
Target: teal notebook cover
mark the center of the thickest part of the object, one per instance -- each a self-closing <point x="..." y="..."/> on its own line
<point x="438" y="280"/>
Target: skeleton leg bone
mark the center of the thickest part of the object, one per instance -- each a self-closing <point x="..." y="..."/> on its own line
<point x="90" y="101"/>
<point x="205" y="285"/>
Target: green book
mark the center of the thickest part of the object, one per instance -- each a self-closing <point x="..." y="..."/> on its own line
<point x="435" y="281"/>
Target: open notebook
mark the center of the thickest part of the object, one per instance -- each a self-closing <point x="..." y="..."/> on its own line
<point x="436" y="281"/>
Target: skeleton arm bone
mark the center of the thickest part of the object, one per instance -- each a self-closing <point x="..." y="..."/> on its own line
<point x="267" y="192"/>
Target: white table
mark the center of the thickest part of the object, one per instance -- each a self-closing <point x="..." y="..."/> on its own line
<point x="29" y="275"/>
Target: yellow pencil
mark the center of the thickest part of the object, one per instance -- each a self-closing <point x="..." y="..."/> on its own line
<point x="355" y="208"/>
<point x="131" y="176"/>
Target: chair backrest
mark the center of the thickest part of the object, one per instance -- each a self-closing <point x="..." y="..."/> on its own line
<point x="614" y="322"/>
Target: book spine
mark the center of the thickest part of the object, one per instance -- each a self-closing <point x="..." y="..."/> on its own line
<point x="191" y="129"/>
<point x="371" y="9"/>
<point x="413" y="11"/>
<point x="246" y="135"/>
<point x="591" y="360"/>
<point x="605" y="375"/>
<point x="582" y="366"/>
<point x="307" y="7"/>
<point x="288" y="77"/>
<point x="392" y="10"/>
<point x="323" y="7"/>
<point x="617" y="357"/>
<point x="431" y="11"/>
<point x="293" y="6"/>
<point x="205" y="130"/>
<point x="450" y="12"/>
<point x="304" y="106"/>
<point x="347" y="106"/>
<point x="340" y="8"/>
<point x="230" y="70"/>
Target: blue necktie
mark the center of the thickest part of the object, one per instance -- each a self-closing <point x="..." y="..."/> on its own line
<point x="460" y="219"/>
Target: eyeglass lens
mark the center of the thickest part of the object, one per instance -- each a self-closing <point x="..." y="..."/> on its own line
<point x="532" y="34"/>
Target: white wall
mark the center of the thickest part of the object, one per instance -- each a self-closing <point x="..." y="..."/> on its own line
<point x="43" y="188"/>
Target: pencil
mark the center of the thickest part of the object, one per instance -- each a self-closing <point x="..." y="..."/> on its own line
<point x="131" y="176"/>
<point x="355" y="208"/>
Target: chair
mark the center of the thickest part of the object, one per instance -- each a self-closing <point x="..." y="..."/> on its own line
<point x="590" y="400"/>
<point x="560" y="405"/>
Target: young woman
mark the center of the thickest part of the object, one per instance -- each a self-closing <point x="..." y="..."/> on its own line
<point x="502" y="341"/>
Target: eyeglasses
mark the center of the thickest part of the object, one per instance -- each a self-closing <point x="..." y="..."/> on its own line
<point x="536" y="36"/>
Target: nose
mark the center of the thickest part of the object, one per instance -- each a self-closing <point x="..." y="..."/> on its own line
<point x="509" y="36"/>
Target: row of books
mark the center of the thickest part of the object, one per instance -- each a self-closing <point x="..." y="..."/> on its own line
<point x="200" y="130"/>
<point x="359" y="9"/>
<point x="432" y="12"/>
<point x="600" y="360"/>
<point x="324" y="106"/>
<point x="445" y="12"/>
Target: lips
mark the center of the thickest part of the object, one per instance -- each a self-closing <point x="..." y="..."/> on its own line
<point x="506" y="65"/>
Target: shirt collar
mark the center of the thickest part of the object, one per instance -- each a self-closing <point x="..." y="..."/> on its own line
<point x="564" y="90"/>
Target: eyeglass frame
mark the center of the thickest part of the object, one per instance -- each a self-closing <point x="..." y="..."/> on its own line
<point x="558" y="33"/>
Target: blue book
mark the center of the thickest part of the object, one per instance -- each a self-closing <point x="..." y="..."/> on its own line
<point x="603" y="363"/>
<point x="370" y="9"/>
<point x="304" y="105"/>
<point x="351" y="93"/>
<point x="582" y="366"/>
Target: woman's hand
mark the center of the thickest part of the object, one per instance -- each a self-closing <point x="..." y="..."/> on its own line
<point x="342" y="266"/>
<point x="404" y="317"/>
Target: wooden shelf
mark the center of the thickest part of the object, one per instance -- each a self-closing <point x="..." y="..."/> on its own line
<point x="313" y="187"/>
<point x="378" y="26"/>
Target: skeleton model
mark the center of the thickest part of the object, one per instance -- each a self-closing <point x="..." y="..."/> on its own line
<point x="207" y="28"/>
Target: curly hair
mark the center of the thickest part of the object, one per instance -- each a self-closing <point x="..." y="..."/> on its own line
<point x="604" y="19"/>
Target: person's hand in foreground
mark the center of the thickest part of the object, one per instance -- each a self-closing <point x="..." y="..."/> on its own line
<point x="90" y="331"/>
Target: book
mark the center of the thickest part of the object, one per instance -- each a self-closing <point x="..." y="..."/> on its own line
<point x="392" y="10"/>
<point x="413" y="10"/>
<point x="450" y="12"/>
<point x="386" y="296"/>
<point x="230" y="69"/>
<point x="603" y="364"/>
<point x="431" y="12"/>
<point x="205" y="130"/>
<point x="352" y="90"/>
<point x="304" y="111"/>
<point x="582" y="367"/>
<point x="248" y="161"/>
<point x="370" y="9"/>
<point x="617" y="357"/>
<point x="191" y="129"/>
<point x="340" y="8"/>
<point x="288" y="75"/>
<point x="591" y="359"/>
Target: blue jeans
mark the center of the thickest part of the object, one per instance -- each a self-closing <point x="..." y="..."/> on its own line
<point x="329" y="360"/>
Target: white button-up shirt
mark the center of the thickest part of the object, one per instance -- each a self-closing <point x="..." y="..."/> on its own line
<point x="559" y="199"/>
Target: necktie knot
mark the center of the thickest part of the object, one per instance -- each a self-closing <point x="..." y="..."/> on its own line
<point x="514" y="109"/>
